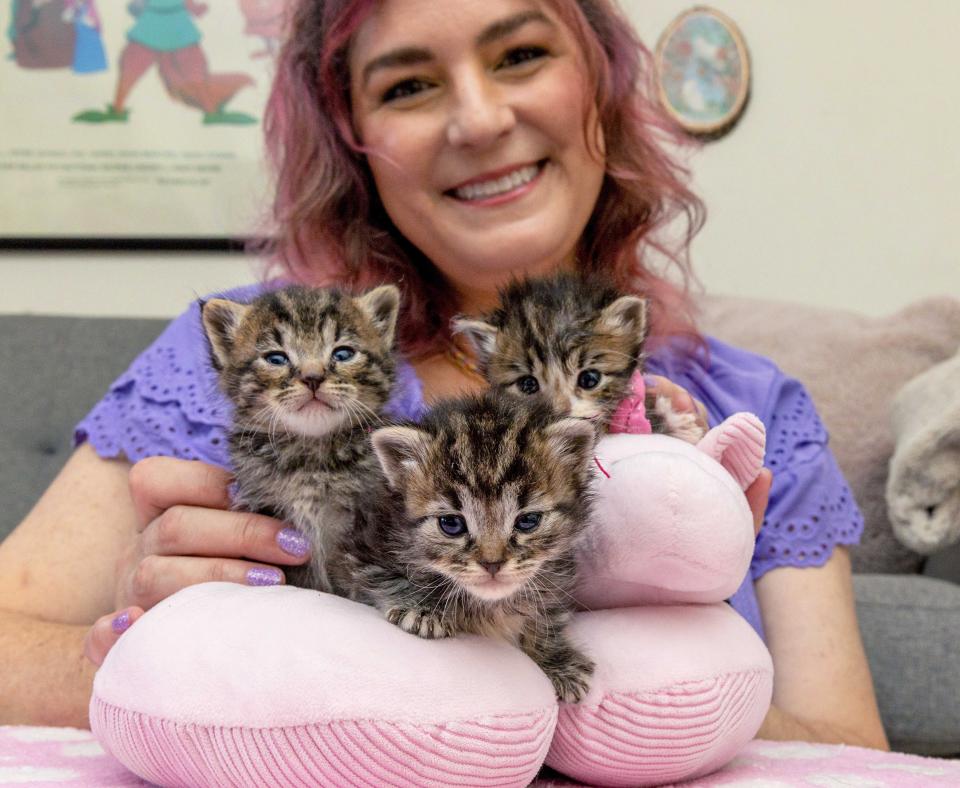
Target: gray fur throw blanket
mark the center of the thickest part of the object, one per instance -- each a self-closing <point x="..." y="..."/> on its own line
<point x="923" y="487"/>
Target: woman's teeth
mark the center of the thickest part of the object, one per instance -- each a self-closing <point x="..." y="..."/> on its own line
<point x="479" y="191"/>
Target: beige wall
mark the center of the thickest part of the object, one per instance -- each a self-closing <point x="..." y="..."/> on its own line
<point x="840" y="186"/>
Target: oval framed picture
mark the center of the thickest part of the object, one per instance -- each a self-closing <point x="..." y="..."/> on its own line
<point x="703" y="71"/>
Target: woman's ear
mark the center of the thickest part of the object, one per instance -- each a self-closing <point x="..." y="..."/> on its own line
<point x="221" y="319"/>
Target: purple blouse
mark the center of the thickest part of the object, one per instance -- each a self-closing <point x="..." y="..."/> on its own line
<point x="168" y="403"/>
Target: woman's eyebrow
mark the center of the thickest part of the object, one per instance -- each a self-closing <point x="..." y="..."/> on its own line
<point x="410" y="56"/>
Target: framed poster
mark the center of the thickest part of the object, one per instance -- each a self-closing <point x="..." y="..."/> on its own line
<point x="133" y="122"/>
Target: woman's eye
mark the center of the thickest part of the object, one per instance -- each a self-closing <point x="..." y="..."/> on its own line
<point x="452" y="524"/>
<point x="276" y="358"/>
<point x="588" y="379"/>
<point x="404" y="89"/>
<point x="520" y="55"/>
<point x="528" y="521"/>
<point x="343" y="353"/>
<point x="528" y="384"/>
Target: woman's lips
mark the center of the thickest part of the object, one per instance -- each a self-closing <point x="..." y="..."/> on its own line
<point x="497" y="187"/>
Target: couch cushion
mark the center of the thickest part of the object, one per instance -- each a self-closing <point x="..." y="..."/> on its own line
<point x="853" y="365"/>
<point x="55" y="369"/>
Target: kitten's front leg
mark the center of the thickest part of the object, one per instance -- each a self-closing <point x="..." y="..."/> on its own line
<point x="666" y="420"/>
<point x="419" y="621"/>
<point x="565" y="665"/>
<point x="405" y="604"/>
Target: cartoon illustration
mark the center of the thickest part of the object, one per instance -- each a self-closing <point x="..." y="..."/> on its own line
<point x="41" y="37"/>
<point x="264" y="19"/>
<point x="165" y="35"/>
<point x="88" y="54"/>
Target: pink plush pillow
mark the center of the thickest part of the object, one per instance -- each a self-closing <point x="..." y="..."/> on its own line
<point x="223" y="684"/>
<point x="678" y="691"/>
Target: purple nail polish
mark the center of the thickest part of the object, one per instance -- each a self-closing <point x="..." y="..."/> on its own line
<point x="121" y="623"/>
<point x="293" y="542"/>
<point x="650" y="381"/>
<point x="263" y="576"/>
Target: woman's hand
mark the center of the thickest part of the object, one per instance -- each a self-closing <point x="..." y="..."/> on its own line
<point x="186" y="534"/>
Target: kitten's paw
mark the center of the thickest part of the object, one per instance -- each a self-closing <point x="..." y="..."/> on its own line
<point x="683" y="425"/>
<point x="418" y="621"/>
<point x="572" y="679"/>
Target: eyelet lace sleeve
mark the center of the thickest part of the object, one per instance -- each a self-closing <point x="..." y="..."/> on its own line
<point x="168" y="403"/>
<point x="811" y="508"/>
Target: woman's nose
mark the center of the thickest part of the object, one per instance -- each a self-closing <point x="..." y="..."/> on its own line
<point x="480" y="114"/>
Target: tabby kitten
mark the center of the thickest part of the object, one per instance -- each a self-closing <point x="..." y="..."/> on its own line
<point x="485" y="501"/>
<point x="575" y="341"/>
<point x="308" y="371"/>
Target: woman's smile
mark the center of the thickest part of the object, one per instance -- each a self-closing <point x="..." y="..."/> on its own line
<point x="498" y="187"/>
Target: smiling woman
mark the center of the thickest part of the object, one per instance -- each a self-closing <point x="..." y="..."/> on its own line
<point x="477" y="137"/>
<point x="443" y="148"/>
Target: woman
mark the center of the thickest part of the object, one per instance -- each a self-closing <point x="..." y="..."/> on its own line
<point x="445" y="147"/>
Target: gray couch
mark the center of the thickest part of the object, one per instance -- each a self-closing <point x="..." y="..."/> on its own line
<point x="55" y="368"/>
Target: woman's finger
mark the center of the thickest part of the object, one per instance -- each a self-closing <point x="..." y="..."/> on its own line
<point x="158" y="576"/>
<point x="106" y="631"/>
<point x="758" y="494"/>
<point x="157" y="483"/>
<point x="192" y="531"/>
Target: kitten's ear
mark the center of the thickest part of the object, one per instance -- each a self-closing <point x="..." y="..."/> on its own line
<point x="382" y="305"/>
<point x="481" y="335"/>
<point x="572" y="440"/>
<point x="221" y="319"/>
<point x="627" y="315"/>
<point x="400" y="450"/>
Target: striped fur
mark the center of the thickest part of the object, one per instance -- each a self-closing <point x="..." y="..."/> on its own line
<point x="564" y="331"/>
<point x="299" y="440"/>
<point x="490" y="459"/>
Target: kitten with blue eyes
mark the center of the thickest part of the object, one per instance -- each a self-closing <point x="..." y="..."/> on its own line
<point x="475" y="530"/>
<point x="575" y="341"/>
<point x="308" y="372"/>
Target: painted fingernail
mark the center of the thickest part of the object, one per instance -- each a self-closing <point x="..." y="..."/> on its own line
<point x="293" y="542"/>
<point x="650" y="381"/>
<point x="263" y="576"/>
<point x="121" y="622"/>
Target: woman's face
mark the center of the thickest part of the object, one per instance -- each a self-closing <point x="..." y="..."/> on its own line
<point x="472" y="113"/>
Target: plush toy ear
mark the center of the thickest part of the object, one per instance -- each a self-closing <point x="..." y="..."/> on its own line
<point x="400" y="450"/>
<point x="737" y="444"/>
<point x="381" y="305"/>
<point x="627" y="315"/>
<point x="221" y="319"/>
<point x="481" y="335"/>
<point x="572" y="441"/>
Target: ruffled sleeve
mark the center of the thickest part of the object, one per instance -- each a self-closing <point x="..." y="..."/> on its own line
<point x="168" y="402"/>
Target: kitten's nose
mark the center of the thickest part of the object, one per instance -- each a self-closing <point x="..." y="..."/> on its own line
<point x="312" y="382"/>
<point x="491" y="566"/>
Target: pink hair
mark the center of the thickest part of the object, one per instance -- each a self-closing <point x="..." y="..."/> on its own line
<point x="329" y="226"/>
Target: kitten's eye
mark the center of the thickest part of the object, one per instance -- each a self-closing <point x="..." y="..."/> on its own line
<point x="343" y="353"/>
<point x="452" y="524"/>
<point x="276" y="358"/>
<point x="528" y="384"/>
<point x="588" y="379"/>
<point x="528" y="521"/>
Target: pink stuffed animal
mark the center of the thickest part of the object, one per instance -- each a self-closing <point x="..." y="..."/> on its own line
<point x="225" y="684"/>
